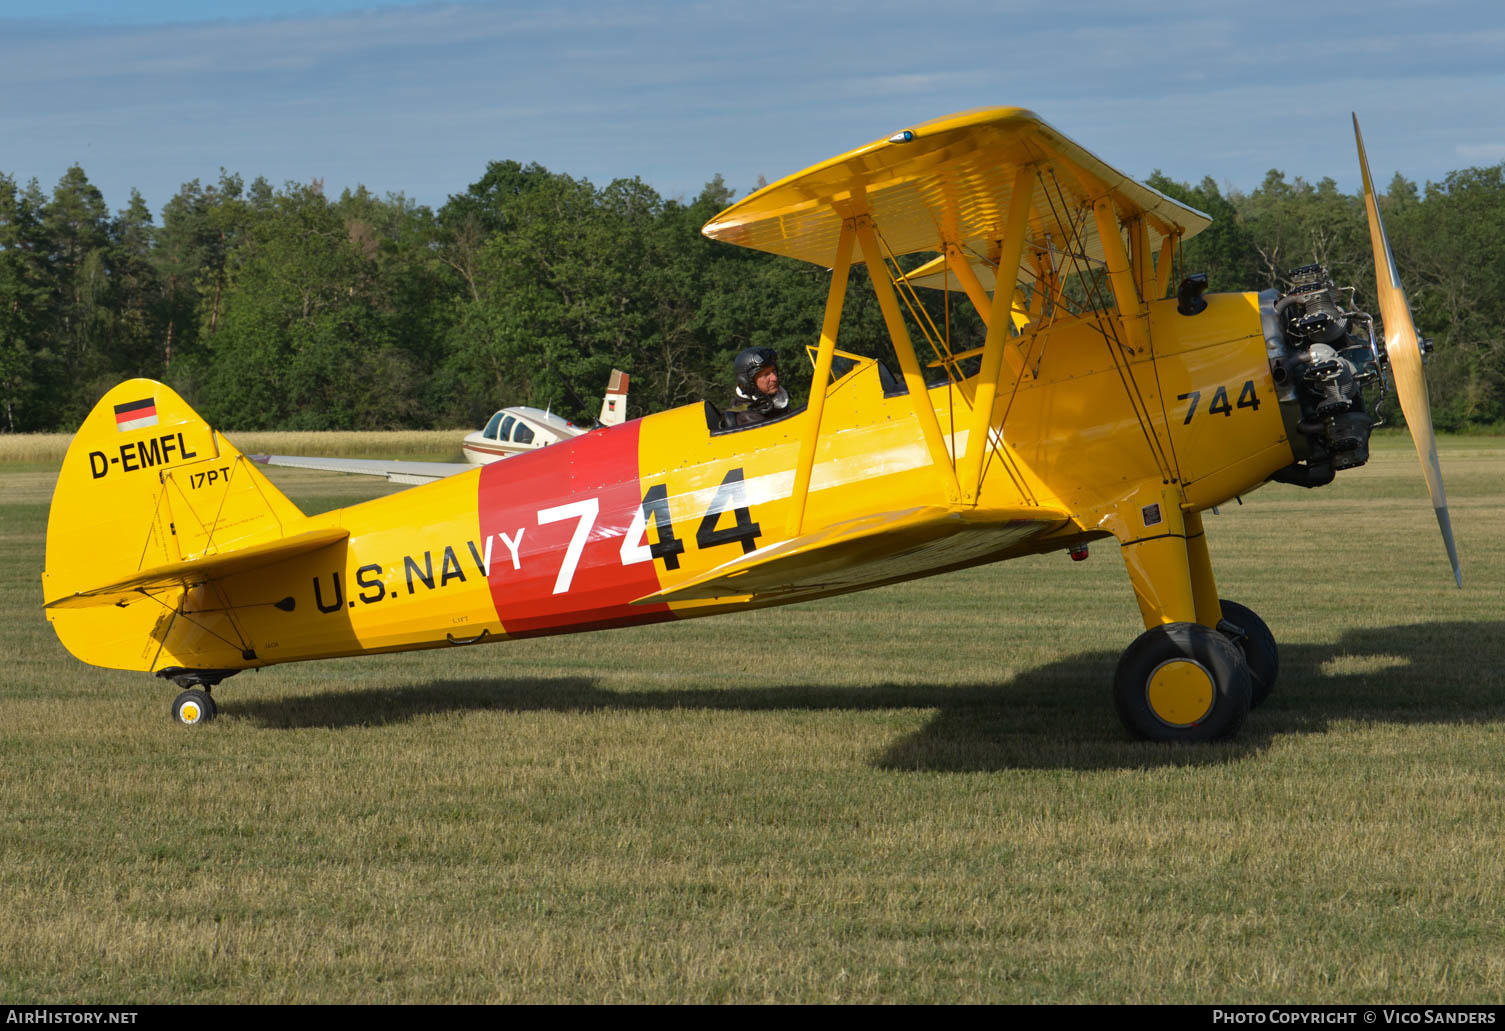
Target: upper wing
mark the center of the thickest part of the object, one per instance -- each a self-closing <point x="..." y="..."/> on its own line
<point x="395" y="472"/>
<point x="951" y="179"/>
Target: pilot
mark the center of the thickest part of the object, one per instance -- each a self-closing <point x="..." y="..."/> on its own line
<point x="759" y="397"/>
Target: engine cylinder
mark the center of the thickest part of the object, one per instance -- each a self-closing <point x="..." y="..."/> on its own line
<point x="1320" y="367"/>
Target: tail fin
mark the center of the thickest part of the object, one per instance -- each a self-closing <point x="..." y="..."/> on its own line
<point x="152" y="503"/>
<point x="614" y="405"/>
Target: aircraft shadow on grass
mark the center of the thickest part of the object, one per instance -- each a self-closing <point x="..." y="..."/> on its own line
<point x="1050" y="717"/>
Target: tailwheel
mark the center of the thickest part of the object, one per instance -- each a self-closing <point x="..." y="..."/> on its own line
<point x="1182" y="682"/>
<point x="193" y="707"/>
<point x="1241" y="626"/>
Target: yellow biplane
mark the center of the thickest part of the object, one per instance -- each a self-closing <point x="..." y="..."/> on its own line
<point x="1103" y="403"/>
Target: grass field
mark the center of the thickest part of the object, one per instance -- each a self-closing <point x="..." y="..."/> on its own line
<point x="916" y="794"/>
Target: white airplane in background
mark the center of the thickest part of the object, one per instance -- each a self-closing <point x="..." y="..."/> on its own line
<point x="509" y="432"/>
<point x="512" y="431"/>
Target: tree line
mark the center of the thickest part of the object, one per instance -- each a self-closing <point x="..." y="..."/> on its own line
<point x="282" y="308"/>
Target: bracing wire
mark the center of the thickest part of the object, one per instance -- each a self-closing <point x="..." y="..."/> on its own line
<point x="1110" y="335"/>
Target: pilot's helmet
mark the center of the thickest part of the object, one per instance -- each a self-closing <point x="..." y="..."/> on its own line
<point x="747" y="366"/>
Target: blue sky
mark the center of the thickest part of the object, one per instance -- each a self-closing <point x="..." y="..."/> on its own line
<point x="417" y="98"/>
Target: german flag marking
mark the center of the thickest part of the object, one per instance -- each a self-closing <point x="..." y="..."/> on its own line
<point x="135" y="415"/>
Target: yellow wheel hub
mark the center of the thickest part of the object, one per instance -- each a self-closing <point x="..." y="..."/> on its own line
<point x="1180" y="692"/>
<point x="189" y="712"/>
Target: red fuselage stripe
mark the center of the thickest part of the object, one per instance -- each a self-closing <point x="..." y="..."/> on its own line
<point x="539" y="506"/>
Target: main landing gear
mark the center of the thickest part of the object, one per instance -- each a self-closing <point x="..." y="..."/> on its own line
<point x="1185" y="682"/>
<point x="194" y="705"/>
<point x="1248" y="631"/>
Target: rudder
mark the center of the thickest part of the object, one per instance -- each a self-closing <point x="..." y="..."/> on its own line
<point x="147" y="484"/>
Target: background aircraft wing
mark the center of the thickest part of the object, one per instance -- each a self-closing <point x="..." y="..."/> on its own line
<point x="870" y="550"/>
<point x="396" y="472"/>
<point x="951" y="178"/>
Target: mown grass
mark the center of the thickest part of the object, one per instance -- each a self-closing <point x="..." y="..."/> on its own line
<point x="916" y="794"/>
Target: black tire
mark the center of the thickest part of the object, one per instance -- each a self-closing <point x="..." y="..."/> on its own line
<point x="1254" y="639"/>
<point x="1182" y="683"/>
<point x="193" y="707"/>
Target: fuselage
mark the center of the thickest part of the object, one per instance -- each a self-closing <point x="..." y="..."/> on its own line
<point x="1094" y="408"/>
<point x="567" y="538"/>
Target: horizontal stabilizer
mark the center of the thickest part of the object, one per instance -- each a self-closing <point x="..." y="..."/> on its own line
<point x="198" y="571"/>
<point x="868" y="551"/>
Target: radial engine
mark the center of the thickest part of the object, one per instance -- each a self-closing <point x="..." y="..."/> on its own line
<point x="1324" y="357"/>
